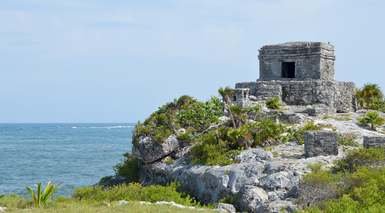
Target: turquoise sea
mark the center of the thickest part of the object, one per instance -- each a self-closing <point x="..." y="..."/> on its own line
<point x="70" y="155"/>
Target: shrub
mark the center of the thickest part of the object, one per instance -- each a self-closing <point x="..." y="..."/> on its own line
<point x="13" y="201"/>
<point x="274" y="103"/>
<point x="371" y="119"/>
<point x="128" y="168"/>
<point x="40" y="197"/>
<point x="212" y="150"/>
<point x="348" y="140"/>
<point x="318" y="186"/>
<point x="199" y="115"/>
<point x="363" y="191"/>
<point x="268" y="132"/>
<point x="184" y="112"/>
<point x="134" y="192"/>
<point x="370" y="97"/>
<point x="373" y="157"/>
<point x="298" y="134"/>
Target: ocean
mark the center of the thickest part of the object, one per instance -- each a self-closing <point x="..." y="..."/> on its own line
<point x="70" y="155"/>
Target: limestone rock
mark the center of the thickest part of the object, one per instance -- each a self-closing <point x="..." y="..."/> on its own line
<point x="281" y="206"/>
<point x="280" y="180"/>
<point x="150" y="151"/>
<point x="122" y="202"/>
<point x="3" y="209"/>
<point x="320" y="143"/>
<point x="109" y="181"/>
<point x="252" y="199"/>
<point x="253" y="155"/>
<point x="226" y="208"/>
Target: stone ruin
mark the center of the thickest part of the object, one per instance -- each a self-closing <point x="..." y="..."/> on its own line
<point x="300" y="74"/>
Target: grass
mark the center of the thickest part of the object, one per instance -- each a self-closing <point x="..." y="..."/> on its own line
<point x="74" y="206"/>
<point x="338" y="117"/>
<point x="95" y="199"/>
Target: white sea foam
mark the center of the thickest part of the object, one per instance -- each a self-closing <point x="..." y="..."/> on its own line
<point x="103" y="127"/>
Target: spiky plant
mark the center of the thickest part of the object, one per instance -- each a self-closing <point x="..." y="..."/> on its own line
<point x="370" y="97"/>
<point x="40" y="197"/>
<point x="371" y="118"/>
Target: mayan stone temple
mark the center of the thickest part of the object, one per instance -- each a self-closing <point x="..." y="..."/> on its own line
<point x="302" y="75"/>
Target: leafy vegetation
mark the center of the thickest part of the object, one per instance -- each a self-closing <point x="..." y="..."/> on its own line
<point x="348" y="140"/>
<point x="135" y="192"/>
<point x="356" y="184"/>
<point x="372" y="119"/>
<point x="185" y="112"/>
<point x="220" y="146"/>
<point x="98" y="199"/>
<point x="372" y="157"/>
<point x="299" y="133"/>
<point x="274" y="103"/>
<point x="128" y="168"/>
<point x="70" y="205"/>
<point x="370" y="97"/>
<point x="40" y="197"/>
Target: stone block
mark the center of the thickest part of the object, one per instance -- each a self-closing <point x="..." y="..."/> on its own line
<point x="374" y="141"/>
<point x="320" y="143"/>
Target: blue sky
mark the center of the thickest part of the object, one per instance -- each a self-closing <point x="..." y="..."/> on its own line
<point x="117" y="61"/>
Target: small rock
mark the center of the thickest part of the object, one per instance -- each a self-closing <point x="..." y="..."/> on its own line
<point x="3" y="209"/>
<point x="122" y="202"/>
<point x="252" y="199"/>
<point x="226" y="208"/>
<point x="281" y="206"/>
<point x="253" y="155"/>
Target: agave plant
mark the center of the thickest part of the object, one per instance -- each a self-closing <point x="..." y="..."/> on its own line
<point x="40" y="197"/>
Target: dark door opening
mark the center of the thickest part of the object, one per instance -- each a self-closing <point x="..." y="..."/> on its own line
<point x="288" y="69"/>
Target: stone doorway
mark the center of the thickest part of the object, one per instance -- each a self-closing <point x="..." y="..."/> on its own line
<point x="288" y="70"/>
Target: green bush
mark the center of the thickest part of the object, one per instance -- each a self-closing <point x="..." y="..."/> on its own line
<point x="199" y="115"/>
<point x="13" y="201"/>
<point x="348" y="140"/>
<point x="135" y="192"/>
<point x="371" y="119"/>
<point x="220" y="146"/>
<point x="373" y="157"/>
<point x="128" y="168"/>
<point x="274" y="103"/>
<point x="361" y="191"/>
<point x="211" y="150"/>
<point x="370" y="97"/>
<point x="299" y="133"/>
<point x="184" y="112"/>
<point x="318" y="186"/>
<point x="268" y="132"/>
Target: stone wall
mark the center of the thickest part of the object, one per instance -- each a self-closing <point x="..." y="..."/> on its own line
<point x="313" y="60"/>
<point x="320" y="143"/>
<point x="374" y="142"/>
<point x="345" y="97"/>
<point x="337" y="96"/>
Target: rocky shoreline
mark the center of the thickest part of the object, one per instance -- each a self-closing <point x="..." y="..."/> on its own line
<point x="261" y="179"/>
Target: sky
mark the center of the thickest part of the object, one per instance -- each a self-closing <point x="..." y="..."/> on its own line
<point x="119" y="60"/>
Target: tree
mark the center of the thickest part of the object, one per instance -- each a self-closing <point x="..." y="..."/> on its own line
<point x="226" y="94"/>
<point x="373" y="119"/>
<point x="370" y="97"/>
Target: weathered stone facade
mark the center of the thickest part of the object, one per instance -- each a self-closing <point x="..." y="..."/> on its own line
<point x="312" y="60"/>
<point x="300" y="73"/>
<point x="374" y="142"/>
<point x="320" y="143"/>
